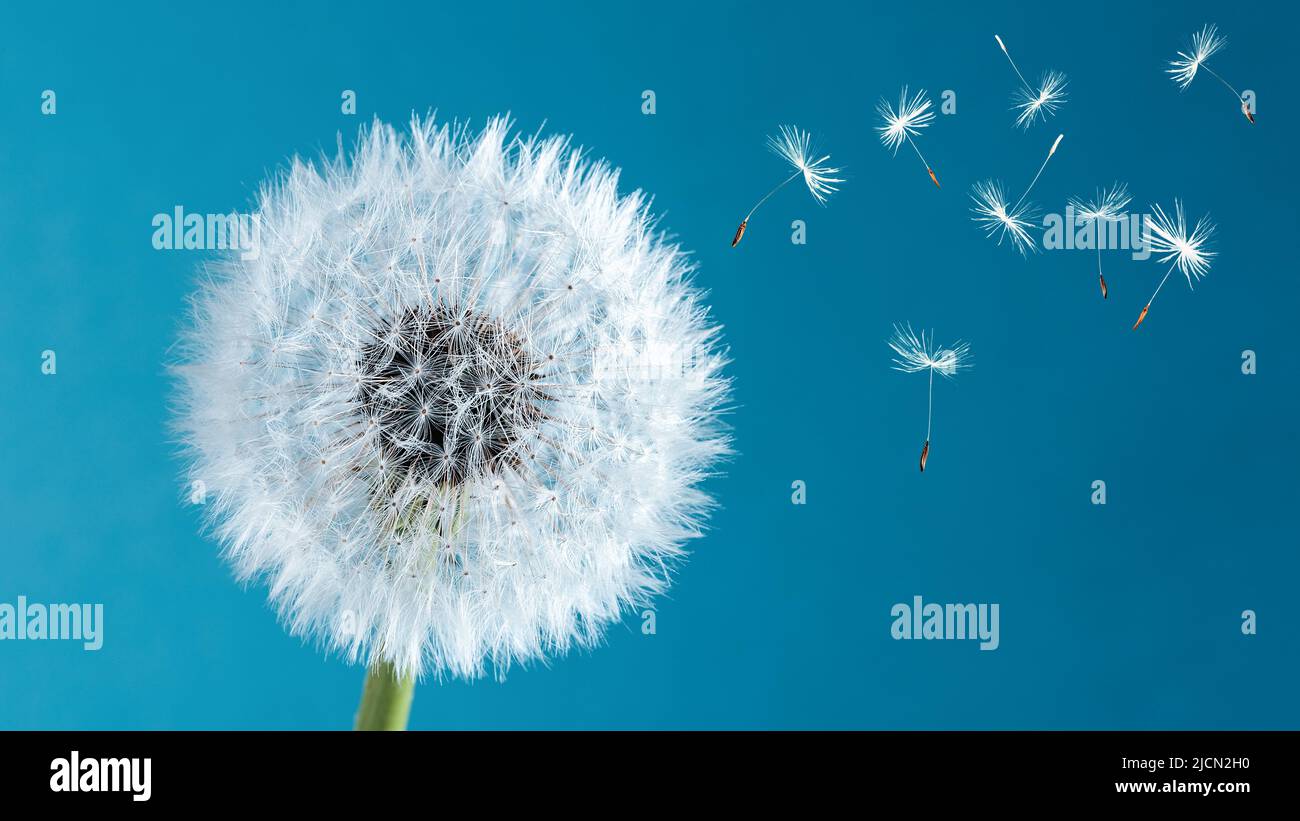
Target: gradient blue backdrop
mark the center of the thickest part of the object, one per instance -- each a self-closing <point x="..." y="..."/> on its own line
<point x="1122" y="616"/>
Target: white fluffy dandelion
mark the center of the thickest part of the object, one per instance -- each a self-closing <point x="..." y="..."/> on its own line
<point x="1011" y="222"/>
<point x="1035" y="102"/>
<point x="901" y="125"/>
<point x="916" y="353"/>
<point x="423" y="412"/>
<point x="795" y="147"/>
<point x="1108" y="206"/>
<point x="1170" y="241"/>
<point x="1205" y="44"/>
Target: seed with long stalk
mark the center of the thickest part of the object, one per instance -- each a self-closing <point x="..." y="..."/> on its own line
<point x="901" y="125"/>
<point x="1035" y="102"/>
<point x="1008" y="221"/>
<point x="795" y="147"/>
<point x="915" y="353"/>
<point x="1205" y="44"/>
<point x="1170" y="241"/>
<point x="1107" y="207"/>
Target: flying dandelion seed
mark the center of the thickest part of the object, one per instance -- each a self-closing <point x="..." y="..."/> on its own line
<point x="1108" y="206"/>
<point x="1205" y="44"/>
<point x="795" y="147"/>
<point x="1042" y="102"/>
<point x="902" y="125"/>
<point x="1035" y="102"/>
<point x="1168" y="238"/>
<point x="996" y="217"/>
<point x="1011" y="222"/>
<point x="416" y="409"/>
<point x="914" y="354"/>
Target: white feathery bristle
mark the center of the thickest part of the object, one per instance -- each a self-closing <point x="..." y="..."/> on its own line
<point x="1108" y="205"/>
<point x="1169" y="240"/>
<point x="1041" y="102"/>
<point x="917" y="352"/>
<point x="913" y="114"/>
<point x="996" y="217"/>
<point x="1205" y="44"/>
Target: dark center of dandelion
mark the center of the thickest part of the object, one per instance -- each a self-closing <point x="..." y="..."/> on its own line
<point x="450" y="392"/>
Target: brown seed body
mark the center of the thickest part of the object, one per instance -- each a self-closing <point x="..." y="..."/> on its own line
<point x="925" y="454"/>
<point x="740" y="232"/>
<point x="1103" y="285"/>
<point x="1142" y="316"/>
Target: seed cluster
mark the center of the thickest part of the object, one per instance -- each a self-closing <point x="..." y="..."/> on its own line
<point x="451" y="393"/>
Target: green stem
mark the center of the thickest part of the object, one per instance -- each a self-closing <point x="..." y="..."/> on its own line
<point x="385" y="700"/>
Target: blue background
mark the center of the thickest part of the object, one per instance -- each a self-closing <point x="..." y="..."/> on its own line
<point x="1119" y="616"/>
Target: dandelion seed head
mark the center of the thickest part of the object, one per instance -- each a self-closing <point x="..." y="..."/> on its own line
<point x="1042" y="102"/>
<point x="1205" y="43"/>
<point x="795" y="147"/>
<point x="996" y="217"/>
<point x="917" y="352"/>
<point x="912" y="115"/>
<point x="418" y="409"/>
<point x="1169" y="240"/>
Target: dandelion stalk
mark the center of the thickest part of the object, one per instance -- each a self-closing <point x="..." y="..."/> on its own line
<point x="1142" y="316"/>
<point x="933" y="178"/>
<point x="1014" y="67"/>
<point x="1226" y="84"/>
<point x="740" y="232"/>
<point x="929" y="416"/>
<point x="385" y="699"/>
<point x="1034" y="181"/>
<point x="929" y="413"/>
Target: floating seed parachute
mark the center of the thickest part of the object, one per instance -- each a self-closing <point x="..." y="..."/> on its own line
<point x="914" y="354"/>
<point x="795" y="147"/>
